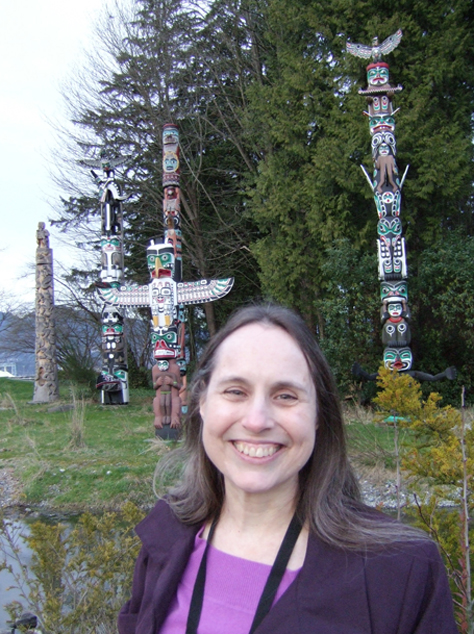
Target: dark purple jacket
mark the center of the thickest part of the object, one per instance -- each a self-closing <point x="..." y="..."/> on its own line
<point x="402" y="590"/>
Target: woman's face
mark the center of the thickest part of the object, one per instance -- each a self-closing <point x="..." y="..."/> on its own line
<point x="259" y="412"/>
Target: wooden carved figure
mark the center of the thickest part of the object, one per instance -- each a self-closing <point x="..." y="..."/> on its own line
<point x="113" y="379"/>
<point x="387" y="187"/>
<point x="167" y="402"/>
<point x="166" y="295"/>
<point x="46" y="387"/>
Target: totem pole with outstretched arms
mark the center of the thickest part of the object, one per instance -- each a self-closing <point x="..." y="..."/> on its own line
<point x="113" y="379"/>
<point x="386" y="186"/>
<point x="167" y="295"/>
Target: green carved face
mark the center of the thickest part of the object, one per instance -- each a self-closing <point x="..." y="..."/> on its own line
<point x="398" y="358"/>
<point x="116" y="328"/>
<point x="381" y="122"/>
<point x="110" y="243"/>
<point x="165" y="261"/>
<point x="377" y="76"/>
<point x="398" y="289"/>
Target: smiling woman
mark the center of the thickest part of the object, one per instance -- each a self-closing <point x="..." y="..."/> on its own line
<point x="266" y="531"/>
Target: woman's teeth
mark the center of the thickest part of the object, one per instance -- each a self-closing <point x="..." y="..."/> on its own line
<point x="261" y="451"/>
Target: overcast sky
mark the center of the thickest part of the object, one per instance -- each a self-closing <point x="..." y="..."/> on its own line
<point x="41" y="43"/>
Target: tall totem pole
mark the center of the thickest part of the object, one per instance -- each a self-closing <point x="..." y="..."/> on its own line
<point x="387" y="190"/>
<point x="46" y="387"/>
<point x="113" y="379"/>
<point x="167" y="295"/>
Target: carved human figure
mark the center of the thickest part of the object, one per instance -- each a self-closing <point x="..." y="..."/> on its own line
<point x="387" y="169"/>
<point x="395" y="316"/>
<point x="167" y="382"/>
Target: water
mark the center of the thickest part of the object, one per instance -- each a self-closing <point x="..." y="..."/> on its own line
<point x="8" y="593"/>
<point x="20" y="525"/>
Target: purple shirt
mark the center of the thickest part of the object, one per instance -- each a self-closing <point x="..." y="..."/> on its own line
<point x="232" y="592"/>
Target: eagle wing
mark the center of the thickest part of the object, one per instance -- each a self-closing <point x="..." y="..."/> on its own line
<point x="391" y="42"/>
<point x="203" y="291"/>
<point x="359" y="50"/>
<point x="133" y="295"/>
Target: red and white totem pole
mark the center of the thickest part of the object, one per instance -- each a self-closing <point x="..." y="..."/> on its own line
<point x="386" y="186"/>
<point x="167" y="295"/>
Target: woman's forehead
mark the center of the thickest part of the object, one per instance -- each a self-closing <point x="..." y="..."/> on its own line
<point x="262" y="346"/>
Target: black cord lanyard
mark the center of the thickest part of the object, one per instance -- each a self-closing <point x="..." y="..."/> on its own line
<point x="271" y="586"/>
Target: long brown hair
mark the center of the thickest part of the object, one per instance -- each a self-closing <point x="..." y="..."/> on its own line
<point x="329" y="496"/>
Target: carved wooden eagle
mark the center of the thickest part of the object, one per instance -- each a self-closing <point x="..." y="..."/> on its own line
<point x="376" y="50"/>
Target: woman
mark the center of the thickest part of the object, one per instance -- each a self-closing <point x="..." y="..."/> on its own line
<point x="266" y="531"/>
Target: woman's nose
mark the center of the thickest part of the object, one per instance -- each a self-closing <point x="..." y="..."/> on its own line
<point x="258" y="416"/>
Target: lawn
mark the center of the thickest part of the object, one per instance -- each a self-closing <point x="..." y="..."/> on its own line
<point x="91" y="456"/>
<point x="98" y="457"/>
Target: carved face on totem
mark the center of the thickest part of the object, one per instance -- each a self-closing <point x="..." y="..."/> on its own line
<point x="165" y="343"/>
<point x="160" y="258"/>
<point x="383" y="143"/>
<point x="170" y="137"/>
<point x="397" y="289"/>
<point x="381" y="123"/>
<point x="163" y="365"/>
<point x="395" y="309"/>
<point x="182" y="365"/>
<point x="398" y="359"/>
<point x="377" y="74"/>
<point x="112" y="330"/>
<point x="170" y="162"/>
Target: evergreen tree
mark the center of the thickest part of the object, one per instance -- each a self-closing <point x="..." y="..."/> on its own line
<point x="307" y="118"/>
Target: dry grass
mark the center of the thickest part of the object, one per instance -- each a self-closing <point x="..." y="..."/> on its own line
<point x="76" y="427"/>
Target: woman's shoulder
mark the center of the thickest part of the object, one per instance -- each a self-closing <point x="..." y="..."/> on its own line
<point x="161" y="529"/>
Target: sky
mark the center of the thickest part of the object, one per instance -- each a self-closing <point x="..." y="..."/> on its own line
<point x="42" y="42"/>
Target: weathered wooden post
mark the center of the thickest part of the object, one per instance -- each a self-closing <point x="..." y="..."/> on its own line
<point x="46" y="387"/>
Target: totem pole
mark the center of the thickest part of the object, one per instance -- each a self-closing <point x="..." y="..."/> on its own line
<point x="167" y="295"/>
<point x="387" y="187"/>
<point x="113" y="379"/>
<point x="46" y="387"/>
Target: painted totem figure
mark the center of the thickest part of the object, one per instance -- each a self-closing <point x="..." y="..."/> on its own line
<point x="46" y="387"/>
<point x="113" y="379"/>
<point x="387" y="190"/>
<point x="167" y="295"/>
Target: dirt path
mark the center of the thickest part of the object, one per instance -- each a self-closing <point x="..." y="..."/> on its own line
<point x="10" y="488"/>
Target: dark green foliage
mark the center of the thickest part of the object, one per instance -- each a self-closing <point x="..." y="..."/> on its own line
<point x="349" y="311"/>
<point x="444" y="315"/>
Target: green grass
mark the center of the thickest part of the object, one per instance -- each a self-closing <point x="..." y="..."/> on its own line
<point x="114" y="465"/>
<point x="117" y="459"/>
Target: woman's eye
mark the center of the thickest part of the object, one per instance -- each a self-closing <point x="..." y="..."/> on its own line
<point x="234" y="391"/>
<point x="285" y="396"/>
